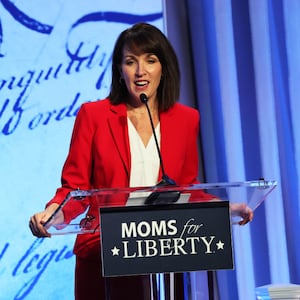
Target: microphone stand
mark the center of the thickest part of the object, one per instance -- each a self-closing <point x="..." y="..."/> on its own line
<point x="164" y="197"/>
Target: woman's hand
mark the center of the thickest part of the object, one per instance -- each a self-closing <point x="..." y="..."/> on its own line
<point x="242" y="210"/>
<point x="37" y="221"/>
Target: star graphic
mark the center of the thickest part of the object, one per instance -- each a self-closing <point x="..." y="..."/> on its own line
<point x="115" y="251"/>
<point x="220" y="245"/>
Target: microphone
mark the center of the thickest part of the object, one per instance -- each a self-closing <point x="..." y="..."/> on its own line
<point x="160" y="197"/>
<point x="166" y="180"/>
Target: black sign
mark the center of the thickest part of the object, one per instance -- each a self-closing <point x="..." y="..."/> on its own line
<point x="166" y="238"/>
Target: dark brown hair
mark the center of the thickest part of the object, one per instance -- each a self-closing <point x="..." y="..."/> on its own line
<point x="145" y="38"/>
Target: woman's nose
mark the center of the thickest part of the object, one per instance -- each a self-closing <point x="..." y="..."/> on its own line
<point x="140" y="70"/>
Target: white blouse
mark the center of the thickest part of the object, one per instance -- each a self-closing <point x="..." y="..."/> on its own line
<point x="144" y="160"/>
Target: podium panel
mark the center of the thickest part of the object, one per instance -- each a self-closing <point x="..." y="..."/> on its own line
<point x="166" y="238"/>
<point x="253" y="193"/>
<point x="160" y="230"/>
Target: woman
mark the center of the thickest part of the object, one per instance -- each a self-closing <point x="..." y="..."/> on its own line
<point x="113" y="146"/>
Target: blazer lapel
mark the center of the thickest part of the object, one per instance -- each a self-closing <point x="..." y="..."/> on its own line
<point x="118" y="126"/>
<point x="166" y="140"/>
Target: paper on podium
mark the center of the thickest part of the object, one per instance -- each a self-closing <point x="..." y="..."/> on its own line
<point x="253" y="193"/>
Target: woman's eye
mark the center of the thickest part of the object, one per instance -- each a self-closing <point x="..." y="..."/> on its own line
<point x="129" y="62"/>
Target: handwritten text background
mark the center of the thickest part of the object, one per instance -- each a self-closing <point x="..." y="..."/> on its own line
<point x="54" y="55"/>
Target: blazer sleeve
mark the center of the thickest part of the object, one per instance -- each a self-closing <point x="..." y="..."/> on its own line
<point x="192" y="158"/>
<point x="77" y="168"/>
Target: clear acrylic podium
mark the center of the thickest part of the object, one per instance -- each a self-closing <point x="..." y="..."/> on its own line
<point x="212" y="202"/>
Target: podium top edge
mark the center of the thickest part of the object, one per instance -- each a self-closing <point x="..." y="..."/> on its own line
<point x="262" y="184"/>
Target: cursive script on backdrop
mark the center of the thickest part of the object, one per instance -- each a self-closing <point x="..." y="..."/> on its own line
<point x="19" y="112"/>
<point x="17" y="90"/>
<point x="32" y="264"/>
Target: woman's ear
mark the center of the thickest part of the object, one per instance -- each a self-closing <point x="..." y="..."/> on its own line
<point x="120" y="71"/>
<point x="121" y="79"/>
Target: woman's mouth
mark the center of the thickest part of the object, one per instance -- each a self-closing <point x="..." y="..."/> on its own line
<point x="141" y="83"/>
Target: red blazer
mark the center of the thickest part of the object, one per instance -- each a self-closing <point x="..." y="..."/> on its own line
<point x="99" y="155"/>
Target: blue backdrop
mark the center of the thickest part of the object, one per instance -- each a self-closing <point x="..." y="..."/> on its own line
<point x="247" y="72"/>
<point x="53" y="56"/>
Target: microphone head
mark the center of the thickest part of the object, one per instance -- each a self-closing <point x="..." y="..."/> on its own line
<point x="143" y="98"/>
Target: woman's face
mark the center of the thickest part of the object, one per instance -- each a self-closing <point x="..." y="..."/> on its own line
<point x="142" y="74"/>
